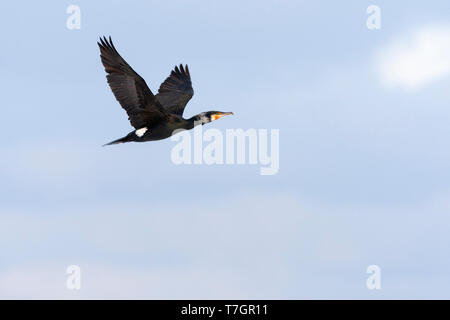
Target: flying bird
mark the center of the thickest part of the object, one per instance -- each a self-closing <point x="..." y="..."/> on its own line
<point x="154" y="117"/>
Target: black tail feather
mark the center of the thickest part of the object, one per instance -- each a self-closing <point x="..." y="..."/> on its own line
<point x="121" y="140"/>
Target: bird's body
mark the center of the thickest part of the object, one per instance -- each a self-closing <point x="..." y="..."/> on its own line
<point x="154" y="117"/>
<point x="158" y="131"/>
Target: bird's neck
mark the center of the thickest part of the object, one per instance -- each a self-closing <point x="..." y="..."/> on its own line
<point x="196" y="120"/>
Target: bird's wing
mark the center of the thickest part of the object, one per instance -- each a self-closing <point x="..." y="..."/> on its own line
<point x="129" y="88"/>
<point x="175" y="92"/>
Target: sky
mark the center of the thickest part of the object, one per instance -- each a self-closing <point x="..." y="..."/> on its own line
<point x="364" y="163"/>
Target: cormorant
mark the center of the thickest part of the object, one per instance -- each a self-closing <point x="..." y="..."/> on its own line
<point x="154" y="117"/>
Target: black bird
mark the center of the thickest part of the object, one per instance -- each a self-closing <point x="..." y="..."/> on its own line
<point x="154" y="117"/>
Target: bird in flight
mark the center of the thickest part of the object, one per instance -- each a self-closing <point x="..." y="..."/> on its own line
<point x="154" y="117"/>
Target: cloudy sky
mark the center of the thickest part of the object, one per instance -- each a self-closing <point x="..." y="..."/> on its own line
<point x="364" y="158"/>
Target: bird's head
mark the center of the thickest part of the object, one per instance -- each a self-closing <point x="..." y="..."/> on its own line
<point x="210" y="116"/>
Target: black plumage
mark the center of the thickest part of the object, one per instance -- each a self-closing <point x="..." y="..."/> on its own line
<point x="154" y="117"/>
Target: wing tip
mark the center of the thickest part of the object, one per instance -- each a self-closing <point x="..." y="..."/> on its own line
<point x="106" y="42"/>
<point x="181" y="71"/>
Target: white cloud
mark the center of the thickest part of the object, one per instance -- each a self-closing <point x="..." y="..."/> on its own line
<point x="415" y="59"/>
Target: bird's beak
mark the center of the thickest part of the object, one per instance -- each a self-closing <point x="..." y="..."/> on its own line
<point x="220" y="115"/>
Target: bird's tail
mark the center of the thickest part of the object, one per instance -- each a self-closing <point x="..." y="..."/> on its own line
<point x="121" y="140"/>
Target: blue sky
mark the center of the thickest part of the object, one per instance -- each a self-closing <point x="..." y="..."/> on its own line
<point x="364" y="158"/>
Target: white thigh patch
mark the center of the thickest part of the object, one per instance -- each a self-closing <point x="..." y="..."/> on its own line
<point x="140" y="132"/>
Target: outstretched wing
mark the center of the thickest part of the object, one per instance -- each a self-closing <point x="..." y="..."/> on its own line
<point x="129" y="88"/>
<point x="175" y="92"/>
